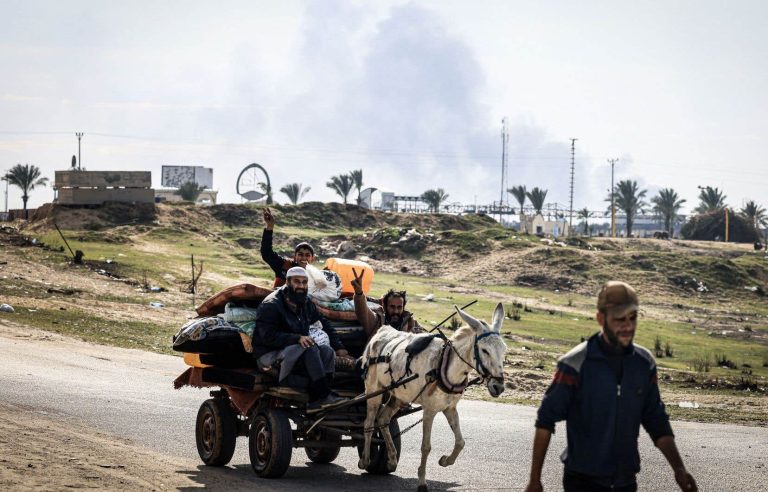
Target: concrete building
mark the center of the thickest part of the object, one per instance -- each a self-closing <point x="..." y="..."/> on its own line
<point x="538" y="225"/>
<point x="96" y="187"/>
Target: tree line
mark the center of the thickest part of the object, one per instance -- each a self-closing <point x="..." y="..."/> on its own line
<point x="627" y="197"/>
<point x="631" y="200"/>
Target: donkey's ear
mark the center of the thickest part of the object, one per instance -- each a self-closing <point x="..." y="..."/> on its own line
<point x="469" y="319"/>
<point x="498" y="318"/>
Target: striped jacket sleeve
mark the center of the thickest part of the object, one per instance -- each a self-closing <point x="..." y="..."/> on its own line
<point x="557" y="399"/>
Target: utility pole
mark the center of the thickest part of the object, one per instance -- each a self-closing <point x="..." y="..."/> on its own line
<point x="613" y="201"/>
<point x="79" y="135"/>
<point x="573" y="167"/>
<point x="504" y="141"/>
<point x="6" y="193"/>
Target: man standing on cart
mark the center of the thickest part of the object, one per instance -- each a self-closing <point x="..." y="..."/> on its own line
<point x="290" y="331"/>
<point x="303" y="253"/>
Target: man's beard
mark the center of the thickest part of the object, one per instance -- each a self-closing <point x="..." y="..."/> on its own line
<point x="613" y="338"/>
<point x="297" y="296"/>
<point x="394" y="322"/>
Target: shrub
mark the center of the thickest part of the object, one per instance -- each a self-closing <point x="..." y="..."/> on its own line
<point x="722" y="360"/>
<point x="701" y="363"/>
<point x="668" y="351"/>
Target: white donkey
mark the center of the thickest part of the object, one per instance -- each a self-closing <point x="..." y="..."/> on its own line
<point x="443" y="373"/>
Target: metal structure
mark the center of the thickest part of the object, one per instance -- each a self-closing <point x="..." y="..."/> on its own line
<point x="613" y="201"/>
<point x="250" y="184"/>
<point x="573" y="172"/>
<point x="504" y="155"/>
<point x="79" y="136"/>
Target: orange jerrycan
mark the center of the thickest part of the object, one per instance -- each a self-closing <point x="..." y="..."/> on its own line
<point x="343" y="269"/>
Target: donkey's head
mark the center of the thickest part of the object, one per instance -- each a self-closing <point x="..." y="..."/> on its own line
<point x="489" y="350"/>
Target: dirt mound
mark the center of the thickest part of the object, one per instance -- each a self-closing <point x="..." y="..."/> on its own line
<point x="92" y="218"/>
<point x="316" y="215"/>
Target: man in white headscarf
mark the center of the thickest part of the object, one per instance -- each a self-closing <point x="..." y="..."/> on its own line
<point x="284" y="323"/>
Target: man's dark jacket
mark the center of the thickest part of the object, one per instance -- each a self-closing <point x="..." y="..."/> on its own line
<point x="278" y="326"/>
<point x="604" y="413"/>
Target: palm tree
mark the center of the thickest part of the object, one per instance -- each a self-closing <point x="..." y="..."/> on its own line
<point x="342" y="185"/>
<point x="628" y="198"/>
<point x="519" y="192"/>
<point x="189" y="191"/>
<point x="755" y="214"/>
<point x="357" y="180"/>
<point x="266" y="188"/>
<point x="667" y="204"/>
<point x="434" y="198"/>
<point x="537" y="197"/>
<point x="585" y="214"/>
<point x="295" y="192"/>
<point x="710" y="200"/>
<point x="25" y="177"/>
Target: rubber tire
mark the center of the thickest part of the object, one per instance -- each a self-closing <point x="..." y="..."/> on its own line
<point x="216" y="432"/>
<point x="270" y="443"/>
<point x="324" y="455"/>
<point x="378" y="465"/>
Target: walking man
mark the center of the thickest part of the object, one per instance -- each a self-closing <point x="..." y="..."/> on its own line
<point x="605" y="388"/>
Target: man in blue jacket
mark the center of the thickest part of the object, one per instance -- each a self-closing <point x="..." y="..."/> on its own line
<point x="605" y="388"/>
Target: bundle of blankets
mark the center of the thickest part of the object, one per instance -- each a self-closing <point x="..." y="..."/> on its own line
<point x="229" y="331"/>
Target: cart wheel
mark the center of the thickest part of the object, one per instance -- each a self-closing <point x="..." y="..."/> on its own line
<point x="270" y="443"/>
<point x="325" y="455"/>
<point x="216" y="432"/>
<point x="378" y="464"/>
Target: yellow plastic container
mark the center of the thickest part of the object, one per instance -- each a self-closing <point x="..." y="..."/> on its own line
<point x="194" y="360"/>
<point x="343" y="269"/>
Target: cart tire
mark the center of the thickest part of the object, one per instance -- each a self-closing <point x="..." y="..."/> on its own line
<point x="216" y="432"/>
<point x="270" y="443"/>
<point x="378" y="464"/>
<point x="325" y="455"/>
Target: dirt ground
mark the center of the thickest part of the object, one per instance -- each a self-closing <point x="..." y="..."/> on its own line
<point x="41" y="451"/>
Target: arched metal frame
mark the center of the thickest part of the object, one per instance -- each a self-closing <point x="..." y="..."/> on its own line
<point x="257" y="166"/>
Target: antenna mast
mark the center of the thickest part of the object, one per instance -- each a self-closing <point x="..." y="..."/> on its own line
<point x="504" y="178"/>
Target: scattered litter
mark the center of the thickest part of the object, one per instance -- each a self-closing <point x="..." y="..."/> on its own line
<point x="155" y="288"/>
<point x="429" y="298"/>
<point x="110" y="261"/>
<point x="120" y="254"/>
<point x="688" y="404"/>
<point x="32" y="310"/>
<point x="156" y="304"/>
<point x="6" y="308"/>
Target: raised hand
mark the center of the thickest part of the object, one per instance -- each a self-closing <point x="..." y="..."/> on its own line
<point x="357" y="282"/>
<point x="269" y="219"/>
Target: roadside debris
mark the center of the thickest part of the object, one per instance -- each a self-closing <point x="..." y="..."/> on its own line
<point x="157" y="304"/>
<point x="688" y="404"/>
<point x="429" y="298"/>
<point x="6" y="308"/>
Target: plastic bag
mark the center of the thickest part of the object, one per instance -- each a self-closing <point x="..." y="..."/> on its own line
<point x="318" y="334"/>
<point x="324" y="285"/>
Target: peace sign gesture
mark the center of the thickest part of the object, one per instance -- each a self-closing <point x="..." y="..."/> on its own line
<point x="357" y="282"/>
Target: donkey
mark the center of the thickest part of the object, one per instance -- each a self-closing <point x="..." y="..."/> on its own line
<point x="443" y="368"/>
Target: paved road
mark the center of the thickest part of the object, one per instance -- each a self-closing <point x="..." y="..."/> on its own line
<point x="129" y="394"/>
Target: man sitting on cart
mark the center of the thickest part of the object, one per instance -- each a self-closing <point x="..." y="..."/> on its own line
<point x="393" y="313"/>
<point x="291" y="332"/>
<point x="303" y="253"/>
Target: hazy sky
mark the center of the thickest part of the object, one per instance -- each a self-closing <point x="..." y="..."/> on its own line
<point x="412" y="93"/>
